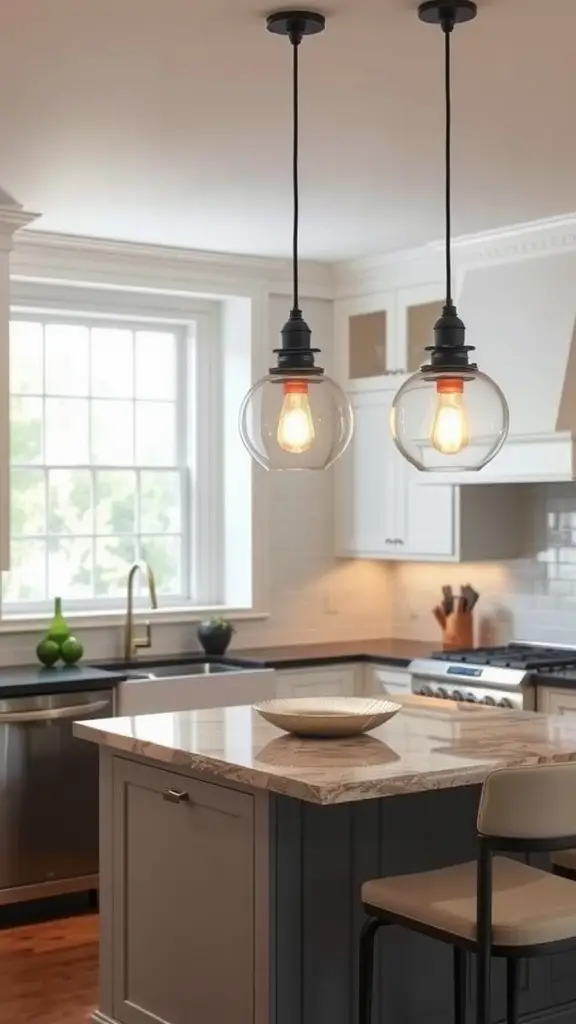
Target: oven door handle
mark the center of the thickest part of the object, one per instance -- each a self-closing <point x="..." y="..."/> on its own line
<point x="74" y="711"/>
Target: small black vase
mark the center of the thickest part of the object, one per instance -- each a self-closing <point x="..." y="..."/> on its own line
<point x="214" y="639"/>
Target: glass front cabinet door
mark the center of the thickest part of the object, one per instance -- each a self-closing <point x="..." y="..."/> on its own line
<point x="385" y="333"/>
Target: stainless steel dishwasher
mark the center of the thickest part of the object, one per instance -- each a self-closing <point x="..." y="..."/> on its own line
<point x="48" y="795"/>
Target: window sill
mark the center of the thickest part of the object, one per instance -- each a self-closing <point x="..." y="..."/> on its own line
<point x="103" y="619"/>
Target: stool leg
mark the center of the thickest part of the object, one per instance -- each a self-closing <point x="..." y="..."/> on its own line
<point x="366" y="970"/>
<point x="460" y="972"/>
<point x="512" y="990"/>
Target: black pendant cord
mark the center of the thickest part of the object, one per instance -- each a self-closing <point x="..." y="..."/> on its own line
<point x="447" y="27"/>
<point x="296" y="355"/>
<point x="449" y="352"/>
<point x="295" y="38"/>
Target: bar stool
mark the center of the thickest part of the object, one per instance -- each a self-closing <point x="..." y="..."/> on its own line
<point x="494" y="906"/>
<point x="564" y="863"/>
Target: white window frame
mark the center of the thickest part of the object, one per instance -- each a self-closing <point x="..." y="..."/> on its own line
<point x="199" y="429"/>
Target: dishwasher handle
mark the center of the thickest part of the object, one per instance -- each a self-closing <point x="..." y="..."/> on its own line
<point x="50" y="714"/>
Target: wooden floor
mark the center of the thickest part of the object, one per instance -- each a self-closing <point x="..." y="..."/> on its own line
<point x="49" y="971"/>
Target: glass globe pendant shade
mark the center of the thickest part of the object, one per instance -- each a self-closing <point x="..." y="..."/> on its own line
<point x="295" y="421"/>
<point x="450" y="420"/>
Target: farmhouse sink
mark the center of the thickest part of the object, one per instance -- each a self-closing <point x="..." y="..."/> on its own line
<point x="198" y="668"/>
<point x="151" y="689"/>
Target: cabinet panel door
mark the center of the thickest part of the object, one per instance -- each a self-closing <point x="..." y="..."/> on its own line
<point x="429" y="519"/>
<point x="366" y="343"/>
<point x="172" y="854"/>
<point x="391" y="681"/>
<point x="365" y="497"/>
<point x="417" y="310"/>
<point x="556" y="702"/>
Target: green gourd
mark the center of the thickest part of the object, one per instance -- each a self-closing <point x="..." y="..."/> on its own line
<point x="59" y="631"/>
<point x="71" y="651"/>
<point x="47" y="652"/>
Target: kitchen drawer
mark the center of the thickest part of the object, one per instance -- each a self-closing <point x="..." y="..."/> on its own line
<point x="556" y="701"/>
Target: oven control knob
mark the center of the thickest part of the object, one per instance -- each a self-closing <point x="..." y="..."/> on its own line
<point x="442" y="693"/>
<point x="456" y="695"/>
<point x="490" y="701"/>
<point x="505" y="703"/>
<point x="426" y="691"/>
<point x="471" y="698"/>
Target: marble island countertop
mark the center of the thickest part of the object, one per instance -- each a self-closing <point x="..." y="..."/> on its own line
<point x="428" y="745"/>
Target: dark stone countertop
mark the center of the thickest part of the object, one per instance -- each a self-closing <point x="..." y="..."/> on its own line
<point x="33" y="680"/>
<point x="558" y="679"/>
<point x="386" y="651"/>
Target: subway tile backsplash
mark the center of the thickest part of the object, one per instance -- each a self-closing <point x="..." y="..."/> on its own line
<point x="533" y="598"/>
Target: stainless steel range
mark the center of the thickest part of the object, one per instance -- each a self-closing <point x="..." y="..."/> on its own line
<point x="504" y="677"/>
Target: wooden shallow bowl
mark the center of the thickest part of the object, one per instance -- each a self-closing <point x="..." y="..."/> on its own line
<point x="327" y="716"/>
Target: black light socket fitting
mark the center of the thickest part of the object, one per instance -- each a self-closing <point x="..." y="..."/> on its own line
<point x="449" y="351"/>
<point x="437" y="12"/>
<point x="296" y="354"/>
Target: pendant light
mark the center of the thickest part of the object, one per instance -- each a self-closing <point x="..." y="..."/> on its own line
<point x="449" y="415"/>
<point x="295" y="417"/>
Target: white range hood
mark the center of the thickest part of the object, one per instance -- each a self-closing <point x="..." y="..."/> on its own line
<point x="522" y="319"/>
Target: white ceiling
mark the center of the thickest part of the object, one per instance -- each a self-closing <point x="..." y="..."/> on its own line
<point x="168" y="121"/>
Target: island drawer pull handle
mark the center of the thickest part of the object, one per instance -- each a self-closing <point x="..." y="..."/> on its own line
<point x="175" y="796"/>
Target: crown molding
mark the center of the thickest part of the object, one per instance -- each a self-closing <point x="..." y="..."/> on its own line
<point x="47" y="256"/>
<point x="530" y="240"/>
<point x="104" y="263"/>
<point x="354" y="278"/>
<point x="12" y="219"/>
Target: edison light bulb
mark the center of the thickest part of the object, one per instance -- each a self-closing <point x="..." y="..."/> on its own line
<point x="450" y="432"/>
<point x="295" y="426"/>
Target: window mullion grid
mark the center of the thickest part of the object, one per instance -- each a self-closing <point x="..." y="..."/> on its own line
<point x="137" y="535"/>
<point x="91" y="462"/>
<point x="138" y="523"/>
<point x="46" y="512"/>
<point x="94" y="526"/>
<point x="183" y="344"/>
<point x="181" y="467"/>
<point x="45" y="464"/>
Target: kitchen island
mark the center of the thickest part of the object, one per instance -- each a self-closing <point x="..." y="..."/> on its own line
<point x="232" y="858"/>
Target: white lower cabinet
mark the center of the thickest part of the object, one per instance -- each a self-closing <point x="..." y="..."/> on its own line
<point x="556" y="701"/>
<point x="389" y="680"/>
<point x="383" y="510"/>
<point x="340" y="681"/>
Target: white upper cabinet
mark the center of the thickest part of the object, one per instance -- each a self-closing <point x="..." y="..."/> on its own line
<point x="383" y="510"/>
<point x="384" y="507"/>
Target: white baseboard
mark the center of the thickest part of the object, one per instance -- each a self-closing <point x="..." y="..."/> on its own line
<point x="100" y="1018"/>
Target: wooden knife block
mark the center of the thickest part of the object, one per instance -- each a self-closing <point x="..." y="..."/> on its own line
<point x="458" y="630"/>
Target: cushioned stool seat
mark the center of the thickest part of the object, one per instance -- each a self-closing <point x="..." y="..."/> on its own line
<point x="565" y="859"/>
<point x="529" y="906"/>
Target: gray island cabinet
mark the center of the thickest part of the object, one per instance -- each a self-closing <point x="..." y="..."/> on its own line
<point x="232" y="858"/>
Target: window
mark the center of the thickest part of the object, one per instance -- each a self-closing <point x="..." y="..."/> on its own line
<point x="102" y="460"/>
